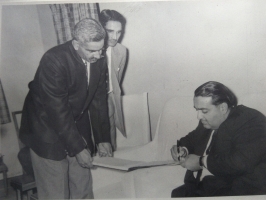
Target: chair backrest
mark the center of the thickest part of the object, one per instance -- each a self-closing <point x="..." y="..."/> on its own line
<point x="177" y="119"/>
<point x="16" y="115"/>
<point x="137" y="121"/>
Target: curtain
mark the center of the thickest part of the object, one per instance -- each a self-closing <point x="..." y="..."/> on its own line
<point x="65" y="16"/>
<point x="4" y="112"/>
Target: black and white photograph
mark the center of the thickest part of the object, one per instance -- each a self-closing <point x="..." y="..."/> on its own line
<point x="132" y="99"/>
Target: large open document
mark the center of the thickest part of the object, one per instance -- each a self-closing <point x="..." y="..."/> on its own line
<point x="128" y="165"/>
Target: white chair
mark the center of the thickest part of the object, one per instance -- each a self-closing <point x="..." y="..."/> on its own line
<point x="137" y="124"/>
<point x="175" y="121"/>
<point x="137" y="121"/>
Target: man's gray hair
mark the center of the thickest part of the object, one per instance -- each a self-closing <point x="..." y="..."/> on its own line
<point x="88" y="30"/>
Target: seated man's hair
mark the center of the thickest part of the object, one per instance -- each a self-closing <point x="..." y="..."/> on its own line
<point x="219" y="93"/>
<point x="88" y="30"/>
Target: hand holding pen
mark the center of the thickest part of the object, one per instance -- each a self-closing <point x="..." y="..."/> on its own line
<point x="178" y="153"/>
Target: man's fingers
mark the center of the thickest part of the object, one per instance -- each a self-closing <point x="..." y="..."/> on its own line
<point x="180" y="151"/>
<point x="174" y="149"/>
<point x="102" y="154"/>
<point x="87" y="165"/>
<point x="174" y="154"/>
<point x="182" y="159"/>
<point x="105" y="149"/>
<point x="90" y="165"/>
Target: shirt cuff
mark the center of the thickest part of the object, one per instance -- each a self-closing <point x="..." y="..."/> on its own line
<point x="204" y="161"/>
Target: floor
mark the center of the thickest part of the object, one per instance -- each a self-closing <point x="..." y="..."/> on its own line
<point x="11" y="193"/>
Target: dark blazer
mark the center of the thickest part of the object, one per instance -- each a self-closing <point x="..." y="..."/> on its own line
<point x="55" y="119"/>
<point x="237" y="158"/>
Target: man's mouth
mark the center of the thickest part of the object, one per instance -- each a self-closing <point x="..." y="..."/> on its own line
<point x="113" y="41"/>
<point x="92" y="60"/>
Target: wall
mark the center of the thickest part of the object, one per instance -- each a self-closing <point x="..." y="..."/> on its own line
<point x="176" y="46"/>
<point x="25" y="37"/>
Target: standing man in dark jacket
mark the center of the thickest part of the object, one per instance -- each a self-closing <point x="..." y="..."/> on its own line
<point x="225" y="154"/>
<point x="65" y="114"/>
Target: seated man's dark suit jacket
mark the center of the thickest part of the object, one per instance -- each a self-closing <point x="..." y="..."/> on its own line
<point x="237" y="158"/>
<point x="55" y="120"/>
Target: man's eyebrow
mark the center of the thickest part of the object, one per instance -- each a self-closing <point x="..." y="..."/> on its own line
<point x="94" y="50"/>
<point x="200" y="108"/>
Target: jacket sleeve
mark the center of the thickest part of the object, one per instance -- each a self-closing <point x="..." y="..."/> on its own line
<point x="54" y="94"/>
<point x="99" y="110"/>
<point x="190" y="141"/>
<point x="247" y="148"/>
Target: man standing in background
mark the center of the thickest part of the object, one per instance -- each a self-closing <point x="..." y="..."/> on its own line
<point x="65" y="114"/>
<point x="114" y="24"/>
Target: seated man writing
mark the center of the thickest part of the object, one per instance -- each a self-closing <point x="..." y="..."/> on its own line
<point x="226" y="154"/>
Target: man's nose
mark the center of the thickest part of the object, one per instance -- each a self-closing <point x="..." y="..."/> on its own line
<point x="97" y="54"/>
<point x="199" y="115"/>
<point x="115" y="36"/>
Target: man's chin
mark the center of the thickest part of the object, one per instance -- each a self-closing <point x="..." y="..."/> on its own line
<point x="207" y="126"/>
<point x="93" y="60"/>
<point x="112" y="44"/>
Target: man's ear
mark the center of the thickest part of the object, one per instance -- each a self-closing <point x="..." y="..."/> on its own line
<point x="75" y="44"/>
<point x="224" y="107"/>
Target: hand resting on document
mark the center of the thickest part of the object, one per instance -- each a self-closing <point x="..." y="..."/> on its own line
<point x="105" y="149"/>
<point x="84" y="159"/>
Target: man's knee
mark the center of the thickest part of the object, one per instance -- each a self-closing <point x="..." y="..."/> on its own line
<point x="184" y="191"/>
<point x="179" y="192"/>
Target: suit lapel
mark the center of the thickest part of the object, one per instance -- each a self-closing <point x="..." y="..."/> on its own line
<point x="115" y="61"/>
<point x="114" y="70"/>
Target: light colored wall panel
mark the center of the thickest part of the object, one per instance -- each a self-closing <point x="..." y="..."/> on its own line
<point x="176" y="46"/>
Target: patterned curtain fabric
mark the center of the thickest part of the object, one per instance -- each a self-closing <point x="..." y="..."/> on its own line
<point x="65" y="16"/>
<point x="4" y="112"/>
